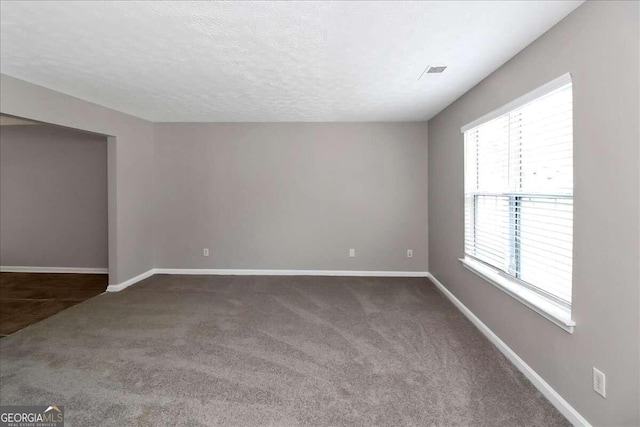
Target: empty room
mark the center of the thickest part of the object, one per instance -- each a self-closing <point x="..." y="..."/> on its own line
<point x="323" y="213"/>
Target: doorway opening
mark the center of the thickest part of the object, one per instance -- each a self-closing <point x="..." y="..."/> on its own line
<point x="54" y="236"/>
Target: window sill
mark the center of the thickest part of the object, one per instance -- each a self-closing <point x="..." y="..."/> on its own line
<point x="546" y="307"/>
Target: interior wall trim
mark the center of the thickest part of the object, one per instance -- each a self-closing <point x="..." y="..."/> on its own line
<point x="74" y="270"/>
<point x="254" y="272"/>
<point x="123" y="285"/>
<point x="553" y="396"/>
<point x="269" y="272"/>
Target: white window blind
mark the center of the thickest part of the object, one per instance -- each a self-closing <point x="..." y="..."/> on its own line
<point x="519" y="193"/>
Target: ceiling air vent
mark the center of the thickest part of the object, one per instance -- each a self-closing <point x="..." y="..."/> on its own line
<point x="433" y="70"/>
<point x="436" y="70"/>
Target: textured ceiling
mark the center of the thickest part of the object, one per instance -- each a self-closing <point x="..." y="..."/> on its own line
<point x="267" y="61"/>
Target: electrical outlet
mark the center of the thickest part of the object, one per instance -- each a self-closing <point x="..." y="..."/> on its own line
<point x="352" y="253"/>
<point x="599" y="383"/>
<point x="409" y="253"/>
<point x="205" y="252"/>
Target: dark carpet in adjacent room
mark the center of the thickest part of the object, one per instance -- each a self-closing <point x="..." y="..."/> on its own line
<point x="249" y="351"/>
<point x="27" y="298"/>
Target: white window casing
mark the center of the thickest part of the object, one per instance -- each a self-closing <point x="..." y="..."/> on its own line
<point x="518" y="191"/>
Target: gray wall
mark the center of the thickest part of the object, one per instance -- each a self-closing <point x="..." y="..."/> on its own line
<point x="130" y="167"/>
<point x="53" y="197"/>
<point x="599" y="45"/>
<point x="138" y="228"/>
<point x="292" y="195"/>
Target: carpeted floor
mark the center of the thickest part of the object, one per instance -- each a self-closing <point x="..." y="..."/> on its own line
<point x="248" y="351"/>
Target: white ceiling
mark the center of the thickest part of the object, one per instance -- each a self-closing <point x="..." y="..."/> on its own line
<point x="268" y="61"/>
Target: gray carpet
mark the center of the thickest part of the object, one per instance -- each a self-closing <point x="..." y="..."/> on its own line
<point x="248" y="351"/>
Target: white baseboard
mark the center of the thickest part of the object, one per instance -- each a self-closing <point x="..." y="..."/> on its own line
<point x="244" y="272"/>
<point x="74" y="270"/>
<point x="120" y="286"/>
<point x="558" y="401"/>
<point x="251" y="272"/>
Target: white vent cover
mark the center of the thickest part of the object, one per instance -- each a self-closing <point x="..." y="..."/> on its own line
<point x="433" y="70"/>
<point x="436" y="70"/>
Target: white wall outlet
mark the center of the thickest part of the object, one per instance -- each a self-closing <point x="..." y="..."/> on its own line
<point x="409" y="253"/>
<point x="205" y="252"/>
<point x="599" y="383"/>
<point x="352" y="253"/>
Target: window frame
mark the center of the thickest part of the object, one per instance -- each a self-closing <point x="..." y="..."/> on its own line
<point x="550" y="307"/>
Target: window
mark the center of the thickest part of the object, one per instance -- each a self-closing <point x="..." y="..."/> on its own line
<point x="519" y="199"/>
